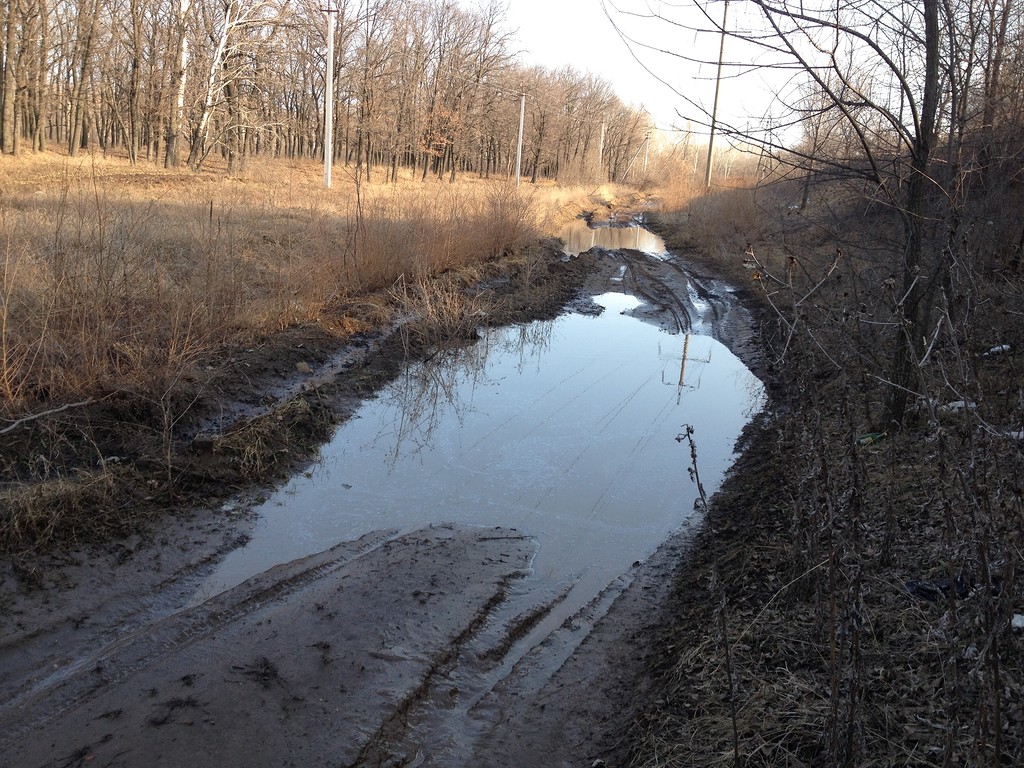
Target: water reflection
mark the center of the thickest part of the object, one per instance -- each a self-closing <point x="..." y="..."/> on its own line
<point x="427" y="394"/>
<point x="564" y="429"/>
<point x="579" y="238"/>
<point x="695" y="365"/>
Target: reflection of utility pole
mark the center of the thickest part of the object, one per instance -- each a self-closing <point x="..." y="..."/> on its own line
<point x="519" y="150"/>
<point x="714" y="108"/>
<point x="329" y="99"/>
<point x="682" y="365"/>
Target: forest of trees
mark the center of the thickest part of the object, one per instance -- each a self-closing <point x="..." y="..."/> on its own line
<point x="429" y="86"/>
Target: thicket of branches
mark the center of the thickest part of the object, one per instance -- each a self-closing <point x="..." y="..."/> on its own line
<point x="866" y="585"/>
<point x="426" y="85"/>
<point x="914" y="108"/>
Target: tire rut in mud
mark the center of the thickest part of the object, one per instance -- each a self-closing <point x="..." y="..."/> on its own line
<point x="309" y="663"/>
<point x="653" y="288"/>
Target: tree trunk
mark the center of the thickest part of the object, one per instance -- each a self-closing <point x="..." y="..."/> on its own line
<point x="134" y="128"/>
<point x="41" y="79"/>
<point x="234" y="126"/>
<point x="172" y="146"/>
<point x="77" y="135"/>
<point x="918" y="288"/>
<point x="198" y="150"/>
<point x="10" y="92"/>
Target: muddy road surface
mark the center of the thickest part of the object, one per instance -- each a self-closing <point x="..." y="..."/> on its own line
<point x="396" y="649"/>
<point x="293" y="667"/>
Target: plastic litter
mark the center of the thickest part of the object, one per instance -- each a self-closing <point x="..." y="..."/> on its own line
<point x="958" y="405"/>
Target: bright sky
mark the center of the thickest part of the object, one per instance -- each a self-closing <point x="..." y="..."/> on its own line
<point x="577" y="32"/>
<point x="554" y="33"/>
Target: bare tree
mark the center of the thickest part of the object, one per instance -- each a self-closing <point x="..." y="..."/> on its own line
<point x="10" y="83"/>
<point x="875" y="75"/>
<point x="178" y="83"/>
<point x="86" y="28"/>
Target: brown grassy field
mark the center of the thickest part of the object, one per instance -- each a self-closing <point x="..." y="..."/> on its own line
<point x="113" y="276"/>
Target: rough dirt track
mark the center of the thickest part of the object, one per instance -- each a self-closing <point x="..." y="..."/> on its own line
<point x="293" y="667"/>
<point x="356" y="656"/>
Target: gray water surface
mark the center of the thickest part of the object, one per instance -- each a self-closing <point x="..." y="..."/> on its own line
<point x="580" y="237"/>
<point x="564" y="429"/>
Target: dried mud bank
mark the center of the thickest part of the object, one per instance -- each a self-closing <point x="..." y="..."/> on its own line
<point x="346" y="657"/>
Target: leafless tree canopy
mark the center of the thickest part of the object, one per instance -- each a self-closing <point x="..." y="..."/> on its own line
<point x="428" y="85"/>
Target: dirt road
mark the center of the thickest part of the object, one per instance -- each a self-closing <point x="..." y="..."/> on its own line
<point x="294" y="667"/>
<point x="383" y="651"/>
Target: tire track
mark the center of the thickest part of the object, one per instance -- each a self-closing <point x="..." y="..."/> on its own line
<point x="61" y="691"/>
<point x="656" y="290"/>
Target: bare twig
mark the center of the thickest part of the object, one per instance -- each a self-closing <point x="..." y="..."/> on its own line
<point x="687" y="435"/>
<point x="14" y="425"/>
<point x="828" y="273"/>
<point x="931" y="345"/>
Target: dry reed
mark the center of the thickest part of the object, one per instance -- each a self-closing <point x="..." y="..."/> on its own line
<point x="118" y="278"/>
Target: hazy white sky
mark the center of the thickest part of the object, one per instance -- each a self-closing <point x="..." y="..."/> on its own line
<point x="577" y="32"/>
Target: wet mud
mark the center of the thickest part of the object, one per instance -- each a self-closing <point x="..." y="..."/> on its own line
<point x="370" y="653"/>
<point x="311" y="663"/>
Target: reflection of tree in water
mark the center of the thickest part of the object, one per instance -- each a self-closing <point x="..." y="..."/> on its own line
<point x="756" y="396"/>
<point x="528" y="343"/>
<point x="443" y="386"/>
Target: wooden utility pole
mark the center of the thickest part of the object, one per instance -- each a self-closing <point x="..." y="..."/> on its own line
<point x="714" y="107"/>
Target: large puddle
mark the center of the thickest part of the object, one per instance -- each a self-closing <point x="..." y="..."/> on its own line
<point x="579" y="238"/>
<point x="564" y="429"/>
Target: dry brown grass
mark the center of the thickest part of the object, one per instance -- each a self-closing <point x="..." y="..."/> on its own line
<point x="722" y="221"/>
<point x="114" y="277"/>
<point x="555" y="206"/>
<point x="442" y="309"/>
<point x="262" y="446"/>
<point x="99" y="504"/>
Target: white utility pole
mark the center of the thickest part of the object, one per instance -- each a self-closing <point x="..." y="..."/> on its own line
<point x="519" y="150"/>
<point x="329" y="100"/>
